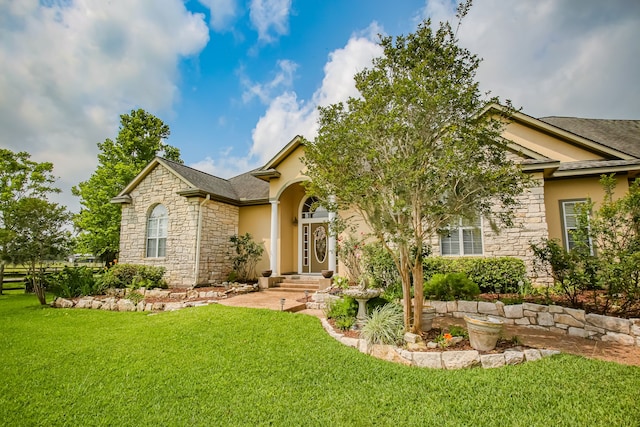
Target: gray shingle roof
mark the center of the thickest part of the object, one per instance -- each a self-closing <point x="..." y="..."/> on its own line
<point x="248" y="187"/>
<point x="244" y="187"/>
<point x="591" y="164"/>
<point x="621" y="135"/>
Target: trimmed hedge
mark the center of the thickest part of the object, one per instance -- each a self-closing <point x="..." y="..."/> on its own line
<point x="490" y="274"/>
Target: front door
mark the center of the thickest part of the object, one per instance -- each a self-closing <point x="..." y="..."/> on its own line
<point x="314" y="239"/>
<point x="319" y="259"/>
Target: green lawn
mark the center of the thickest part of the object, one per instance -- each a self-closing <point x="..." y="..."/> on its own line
<point x="227" y="366"/>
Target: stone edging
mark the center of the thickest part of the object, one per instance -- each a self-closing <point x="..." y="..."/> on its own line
<point x="553" y="318"/>
<point x="120" y="299"/>
<point x="443" y="359"/>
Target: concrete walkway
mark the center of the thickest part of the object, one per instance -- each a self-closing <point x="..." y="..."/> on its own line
<point x="268" y="298"/>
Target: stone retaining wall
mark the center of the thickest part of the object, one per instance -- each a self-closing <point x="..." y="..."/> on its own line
<point x="553" y="318"/>
<point x="126" y="300"/>
<point x="441" y="359"/>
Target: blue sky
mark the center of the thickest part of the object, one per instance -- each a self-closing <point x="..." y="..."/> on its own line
<point x="236" y="80"/>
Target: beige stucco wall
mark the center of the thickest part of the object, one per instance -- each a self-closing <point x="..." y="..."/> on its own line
<point x="575" y="188"/>
<point x="546" y="145"/>
<point x="219" y="222"/>
<point x="256" y="221"/>
<point x="291" y="171"/>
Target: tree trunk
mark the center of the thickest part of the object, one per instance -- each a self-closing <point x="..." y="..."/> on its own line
<point x="405" y="275"/>
<point x="40" y="292"/>
<point x="418" y="295"/>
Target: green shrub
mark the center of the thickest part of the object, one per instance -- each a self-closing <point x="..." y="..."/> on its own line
<point x="134" y="276"/>
<point x="74" y="282"/>
<point x="458" y="331"/>
<point x="492" y="274"/>
<point x="568" y="269"/>
<point x="450" y="286"/>
<point x="245" y="256"/>
<point x="379" y="266"/>
<point x="343" y="311"/>
<point x="340" y="282"/>
<point x="384" y="326"/>
<point x="345" y="323"/>
<point x="605" y="254"/>
<point x="394" y="292"/>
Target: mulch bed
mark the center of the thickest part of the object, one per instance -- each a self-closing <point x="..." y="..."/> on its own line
<point x="501" y="346"/>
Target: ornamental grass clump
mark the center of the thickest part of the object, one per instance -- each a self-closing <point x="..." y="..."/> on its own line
<point x="385" y="325"/>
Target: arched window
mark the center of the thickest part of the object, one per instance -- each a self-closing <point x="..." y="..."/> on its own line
<point x="157" y="232"/>
<point x="311" y="209"/>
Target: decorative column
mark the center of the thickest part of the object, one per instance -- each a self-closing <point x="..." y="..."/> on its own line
<point x="274" y="237"/>
<point x="333" y="247"/>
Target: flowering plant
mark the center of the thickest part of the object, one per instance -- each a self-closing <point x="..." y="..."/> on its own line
<point x="350" y="253"/>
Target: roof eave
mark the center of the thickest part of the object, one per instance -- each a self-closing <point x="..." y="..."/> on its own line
<point x="597" y="171"/>
<point x="123" y="199"/>
<point x="266" y="175"/>
<point x="547" y="168"/>
<point x="254" y="202"/>
<point x="197" y="192"/>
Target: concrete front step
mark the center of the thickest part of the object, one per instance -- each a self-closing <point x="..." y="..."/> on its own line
<point x="298" y="284"/>
<point x="285" y="288"/>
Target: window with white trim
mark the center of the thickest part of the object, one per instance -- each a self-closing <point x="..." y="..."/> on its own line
<point x="570" y="222"/>
<point x="462" y="238"/>
<point x="157" y="232"/>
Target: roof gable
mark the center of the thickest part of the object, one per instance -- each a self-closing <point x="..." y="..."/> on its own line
<point x="243" y="189"/>
<point x="622" y="135"/>
<point x="597" y="147"/>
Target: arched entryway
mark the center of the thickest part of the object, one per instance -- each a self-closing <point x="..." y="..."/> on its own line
<point x="313" y="237"/>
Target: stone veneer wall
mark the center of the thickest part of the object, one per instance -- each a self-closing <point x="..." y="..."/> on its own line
<point x="553" y="318"/>
<point x="161" y="186"/>
<point x="219" y="223"/>
<point x="530" y="225"/>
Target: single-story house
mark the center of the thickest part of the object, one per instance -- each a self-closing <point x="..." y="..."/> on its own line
<point x="181" y="218"/>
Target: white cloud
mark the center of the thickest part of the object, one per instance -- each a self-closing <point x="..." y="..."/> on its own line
<point x="223" y="13"/>
<point x="68" y="69"/>
<point x="269" y="16"/>
<point x="574" y="57"/>
<point x="283" y="79"/>
<point x="226" y="167"/>
<point x="287" y="116"/>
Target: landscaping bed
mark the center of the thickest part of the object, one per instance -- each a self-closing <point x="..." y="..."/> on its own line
<point x="126" y="299"/>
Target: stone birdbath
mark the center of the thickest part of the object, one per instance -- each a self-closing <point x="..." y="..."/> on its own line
<point x="362" y="296"/>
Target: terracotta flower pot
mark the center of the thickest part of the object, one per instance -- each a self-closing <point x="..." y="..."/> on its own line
<point x="327" y="273"/>
<point x="266" y="273"/>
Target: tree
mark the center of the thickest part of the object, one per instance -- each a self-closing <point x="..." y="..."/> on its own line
<point x="20" y="178"/>
<point x="39" y="237"/>
<point x="413" y="154"/>
<point x="140" y="138"/>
